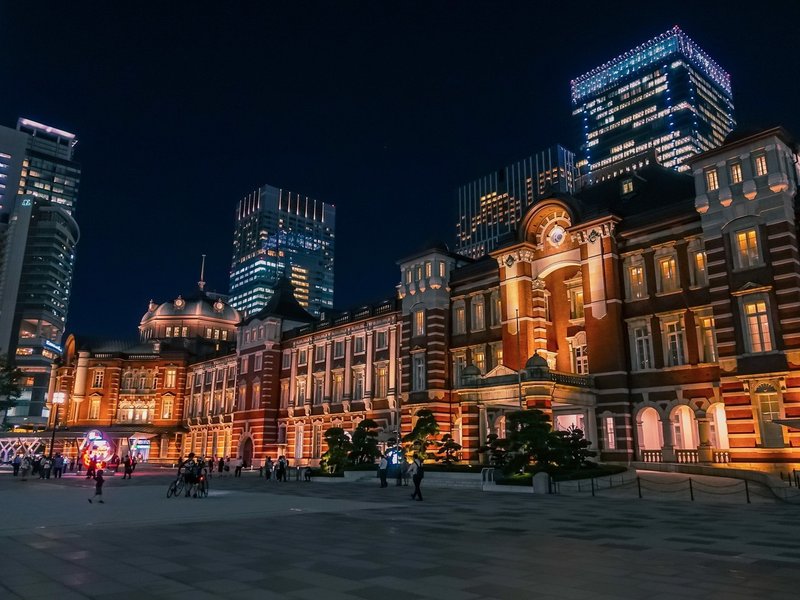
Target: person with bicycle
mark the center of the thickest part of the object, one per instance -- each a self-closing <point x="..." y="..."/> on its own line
<point x="189" y="467"/>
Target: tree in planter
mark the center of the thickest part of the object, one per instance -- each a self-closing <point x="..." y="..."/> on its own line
<point x="497" y="448"/>
<point x="425" y="427"/>
<point x="339" y="445"/>
<point x="448" y="450"/>
<point x="529" y="439"/>
<point x="365" y="443"/>
<point x="10" y="390"/>
<point x="571" y="448"/>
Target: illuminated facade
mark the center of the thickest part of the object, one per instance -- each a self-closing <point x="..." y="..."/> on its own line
<point x="489" y="207"/>
<point x="282" y="233"/>
<point x="39" y="181"/>
<point x="666" y="95"/>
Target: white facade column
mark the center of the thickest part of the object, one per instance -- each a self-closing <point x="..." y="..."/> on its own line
<point x="326" y="392"/>
<point x="668" y="448"/>
<point x="392" y="387"/>
<point x="81" y="374"/>
<point x="368" y="367"/>
<point x="293" y="377"/>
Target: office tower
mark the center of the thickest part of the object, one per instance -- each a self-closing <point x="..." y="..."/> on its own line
<point x="489" y="207"/>
<point x="39" y="235"/>
<point x="666" y="95"/>
<point x="277" y="233"/>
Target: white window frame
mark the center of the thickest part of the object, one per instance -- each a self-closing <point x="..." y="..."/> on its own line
<point x="706" y="333"/>
<point x="712" y="179"/>
<point x="459" y="317"/>
<point x="167" y="406"/>
<point x="746" y="260"/>
<point x="735" y="172"/>
<point x="359" y="383"/>
<point x="635" y="261"/>
<point x="381" y="340"/>
<point x="477" y="313"/>
<point x="673" y="339"/>
<point x="418" y="322"/>
<point x="418" y="382"/>
<point x="579" y="353"/>
<point x="495" y="310"/>
<point x="319" y="353"/>
<point x="338" y="349"/>
<point x="762" y="322"/>
<point x="641" y="362"/>
<point x="611" y="433"/>
<point x="359" y="345"/>
<point x="286" y="360"/>
<point x="760" y="167"/>
<point x="302" y="357"/>
<point x="672" y="285"/>
<point x="98" y="377"/>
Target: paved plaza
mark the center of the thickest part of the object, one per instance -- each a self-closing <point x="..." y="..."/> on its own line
<point x="326" y="540"/>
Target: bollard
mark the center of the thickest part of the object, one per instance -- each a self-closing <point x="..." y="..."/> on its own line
<point x="592" y="482"/>
<point x="639" y="485"/>
<point x="747" y="491"/>
<point x="691" y="490"/>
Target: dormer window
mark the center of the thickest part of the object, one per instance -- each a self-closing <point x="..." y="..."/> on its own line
<point x="736" y="172"/>
<point x="627" y="186"/>
<point x="760" y="162"/>
<point x="712" y="180"/>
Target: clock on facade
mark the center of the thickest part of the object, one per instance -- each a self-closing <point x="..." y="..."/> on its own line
<point x="557" y="235"/>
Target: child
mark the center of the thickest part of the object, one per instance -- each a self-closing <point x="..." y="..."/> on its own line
<point x="98" y="486"/>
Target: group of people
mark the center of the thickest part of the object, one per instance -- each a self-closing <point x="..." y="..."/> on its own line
<point x="279" y="469"/>
<point x="405" y="471"/>
<point x="43" y="466"/>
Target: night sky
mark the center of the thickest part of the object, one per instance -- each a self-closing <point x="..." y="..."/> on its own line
<point x="381" y="108"/>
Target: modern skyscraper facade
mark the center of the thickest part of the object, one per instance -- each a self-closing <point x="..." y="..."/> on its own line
<point x="665" y="95"/>
<point x="277" y="233"/>
<point x="489" y="207"/>
<point x="39" y="236"/>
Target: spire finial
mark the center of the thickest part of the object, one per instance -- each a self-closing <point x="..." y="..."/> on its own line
<point x="201" y="284"/>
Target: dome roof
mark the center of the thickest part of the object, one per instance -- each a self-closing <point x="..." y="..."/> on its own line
<point x="536" y="362"/>
<point x="200" y="305"/>
<point x="471" y="371"/>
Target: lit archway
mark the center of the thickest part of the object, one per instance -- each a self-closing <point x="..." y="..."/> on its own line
<point x="684" y="428"/>
<point x="718" y="426"/>
<point x="651" y="436"/>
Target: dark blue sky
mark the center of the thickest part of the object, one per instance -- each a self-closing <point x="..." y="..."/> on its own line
<point x="380" y="108"/>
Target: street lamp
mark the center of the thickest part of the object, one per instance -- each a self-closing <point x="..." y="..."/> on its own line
<point x="59" y="398"/>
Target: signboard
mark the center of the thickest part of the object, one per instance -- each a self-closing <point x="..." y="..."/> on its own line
<point x="59" y="398"/>
<point x="54" y="347"/>
<point x="95" y="446"/>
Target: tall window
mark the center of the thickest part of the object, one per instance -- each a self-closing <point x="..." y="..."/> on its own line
<point x="576" y="303"/>
<point x="127" y="381"/>
<point x="757" y="323"/>
<point x="97" y="380"/>
<point x="477" y="317"/>
<point x="768" y="412"/>
<point x="642" y="347"/>
<point x="381" y="340"/>
<point x="497" y="355"/>
<point x="580" y="359"/>
<point x="302" y="358"/>
<point x="170" y="379"/>
<point x="668" y="274"/>
<point x="495" y="310"/>
<point x="338" y="349"/>
<point x="611" y="438"/>
<point x="712" y="180"/>
<point x="459" y="319"/>
<point x="284" y="394"/>
<point x="358" y="345"/>
<point x="736" y="173"/>
<point x="358" y="384"/>
<point x="418" y="372"/>
<point x="301" y="391"/>
<point x="258" y="361"/>
<point x="441" y="269"/>
<point x="94" y="408"/>
<point x="707" y="341"/>
<point x="419" y="322"/>
<point x="318" y="387"/>
<point x="381" y="382"/>
<point x="408" y="275"/>
<point x="636" y="281"/>
<point x="760" y="162"/>
<point x="242" y="367"/>
<point x="479" y="359"/>
<point x="166" y="407"/>
<point x="459" y="364"/>
<point x="316" y="441"/>
<point x="428" y="269"/>
<point x="286" y="362"/>
<point x="319" y="353"/>
<point x="699" y="267"/>
<point x="747" y="248"/>
<point x="673" y="343"/>
<point x="338" y="387"/>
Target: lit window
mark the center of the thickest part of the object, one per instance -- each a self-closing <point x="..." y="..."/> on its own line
<point x="673" y="343"/>
<point x="699" y="264"/>
<point x="642" y="348"/>
<point x="736" y="173"/>
<point x="169" y="332"/>
<point x="479" y="359"/>
<point x="459" y="364"/>
<point x="419" y="323"/>
<point x="477" y="316"/>
<point x="712" y="180"/>
<point x="97" y="381"/>
<point x="94" y="408"/>
<point x="338" y="387"/>
<point x="358" y="384"/>
<point x="757" y="324"/>
<point x="170" y="378"/>
<point x="166" y="407"/>
<point x="441" y="269"/>
<point x="418" y="372"/>
<point x="497" y="355"/>
<point x="301" y="391"/>
<point x="580" y="359"/>
<point x="576" y="303"/>
<point x="611" y="438"/>
<point x="707" y="341"/>
<point x="668" y="274"/>
<point x="495" y="310"/>
<point x="761" y="164"/>
<point x="317" y="397"/>
<point x="428" y="269"/>
<point x="408" y="275"/>
<point x="769" y="411"/>
<point x="638" y="287"/>
<point x="381" y="382"/>
<point x="459" y="319"/>
<point x="747" y="248"/>
<point x="627" y="186"/>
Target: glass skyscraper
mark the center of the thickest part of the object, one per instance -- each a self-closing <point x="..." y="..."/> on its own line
<point x="666" y="95"/>
<point x="489" y="207"/>
<point x="39" y="236"/>
<point x="281" y="233"/>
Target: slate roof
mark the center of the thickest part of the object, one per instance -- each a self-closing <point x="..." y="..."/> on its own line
<point x="283" y="304"/>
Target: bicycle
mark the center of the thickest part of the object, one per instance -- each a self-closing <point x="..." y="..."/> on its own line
<point x="176" y="487"/>
<point x="201" y="488"/>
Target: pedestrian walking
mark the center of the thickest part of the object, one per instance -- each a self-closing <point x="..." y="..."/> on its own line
<point x="268" y="468"/>
<point x="220" y="465"/>
<point x="127" y="467"/>
<point x="238" y="471"/>
<point x="58" y="466"/>
<point x="418" y="472"/>
<point x="15" y="464"/>
<point x="282" y="468"/>
<point x="98" y="486"/>
<point x="383" y="466"/>
<point x="25" y="467"/>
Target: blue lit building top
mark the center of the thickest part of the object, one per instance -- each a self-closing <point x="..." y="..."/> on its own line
<point x="646" y="55"/>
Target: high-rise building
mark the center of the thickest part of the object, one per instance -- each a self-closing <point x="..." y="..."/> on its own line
<point x="666" y="95"/>
<point x="37" y="255"/>
<point x="490" y="206"/>
<point x="281" y="233"/>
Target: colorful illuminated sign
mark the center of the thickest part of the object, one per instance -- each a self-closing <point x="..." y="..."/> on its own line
<point x="96" y="446"/>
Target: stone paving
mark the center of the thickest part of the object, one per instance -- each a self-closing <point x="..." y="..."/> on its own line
<point x="326" y="540"/>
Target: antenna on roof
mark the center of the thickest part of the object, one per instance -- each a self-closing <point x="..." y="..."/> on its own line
<point x="201" y="284"/>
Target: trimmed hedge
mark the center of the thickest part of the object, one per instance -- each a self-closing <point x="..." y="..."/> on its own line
<point x="560" y="474"/>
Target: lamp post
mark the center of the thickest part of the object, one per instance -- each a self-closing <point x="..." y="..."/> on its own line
<point x="58" y="399"/>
